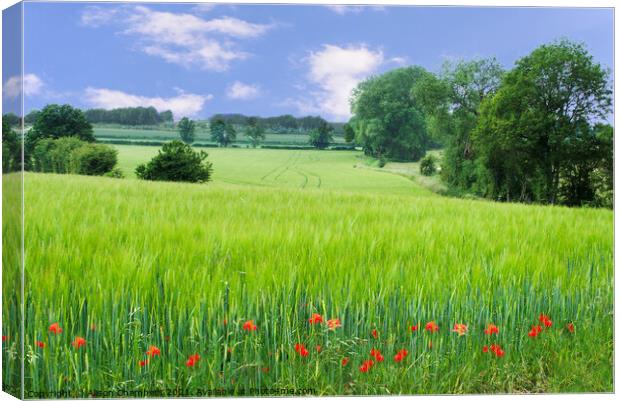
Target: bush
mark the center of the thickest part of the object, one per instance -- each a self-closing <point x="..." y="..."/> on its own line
<point x="177" y="161"/>
<point x="382" y="162"/>
<point x="428" y="165"/>
<point x="93" y="159"/>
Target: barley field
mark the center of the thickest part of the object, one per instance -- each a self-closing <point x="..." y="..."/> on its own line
<point x="303" y="272"/>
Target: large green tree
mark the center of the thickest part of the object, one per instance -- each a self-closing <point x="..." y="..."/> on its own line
<point x="254" y="131"/>
<point x="222" y="132"/>
<point x="177" y="161"/>
<point x="536" y="139"/>
<point x="56" y="121"/>
<point x="187" y="129"/>
<point x="389" y="119"/>
<point x="321" y="137"/>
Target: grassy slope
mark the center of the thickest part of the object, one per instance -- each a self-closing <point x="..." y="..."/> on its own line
<point x="144" y="261"/>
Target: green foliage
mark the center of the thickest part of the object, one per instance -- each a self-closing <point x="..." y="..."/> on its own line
<point x="93" y="159"/>
<point x="187" y="130"/>
<point x="177" y="161"/>
<point x="12" y="119"/>
<point x="31" y="117"/>
<point x="69" y="155"/>
<point x="534" y="141"/>
<point x="349" y="133"/>
<point x="321" y="137"/>
<point x="222" y="132"/>
<point x="254" y="131"/>
<point x="115" y="173"/>
<point x="428" y="165"/>
<point x="11" y="149"/>
<point x="128" y="116"/>
<point x="56" y="121"/>
<point x="390" y="121"/>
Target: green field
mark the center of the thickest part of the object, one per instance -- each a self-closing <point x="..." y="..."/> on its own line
<point x="280" y="235"/>
<point x="202" y="136"/>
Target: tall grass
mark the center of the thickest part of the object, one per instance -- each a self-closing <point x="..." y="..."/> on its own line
<point x="168" y="264"/>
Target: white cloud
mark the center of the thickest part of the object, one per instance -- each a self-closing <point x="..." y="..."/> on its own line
<point x="183" y="38"/>
<point x="12" y="88"/>
<point x="336" y="71"/>
<point x="95" y="16"/>
<point x="239" y="90"/>
<point x="204" y="7"/>
<point x="342" y="9"/>
<point x="184" y="104"/>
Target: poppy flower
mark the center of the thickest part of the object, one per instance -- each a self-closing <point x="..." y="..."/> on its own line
<point x="265" y="369"/>
<point x="544" y="319"/>
<point x="40" y="344"/>
<point x="400" y="355"/>
<point x="315" y="318"/>
<point x="78" y="342"/>
<point x="414" y="328"/>
<point x="570" y="327"/>
<point x="5" y="338"/>
<point x="333" y="324"/>
<point x="225" y="322"/>
<point x="301" y="350"/>
<point x="374" y="333"/>
<point x="460" y="329"/>
<point x="366" y="366"/>
<point x="491" y="329"/>
<point x="249" y="326"/>
<point x="192" y="360"/>
<point x="345" y="361"/>
<point x="153" y="351"/>
<point x="497" y="350"/>
<point x="318" y="348"/>
<point x="431" y="327"/>
<point x="93" y="327"/>
<point x="55" y="328"/>
<point x="375" y="353"/>
<point x="485" y="349"/>
<point x="144" y="362"/>
<point x="535" y="331"/>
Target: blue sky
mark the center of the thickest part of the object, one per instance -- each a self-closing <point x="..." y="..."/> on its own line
<point x="270" y="59"/>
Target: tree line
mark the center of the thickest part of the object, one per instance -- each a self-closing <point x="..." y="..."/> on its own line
<point x="283" y="123"/>
<point x="535" y="133"/>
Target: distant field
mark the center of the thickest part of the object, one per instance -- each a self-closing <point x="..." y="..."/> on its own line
<point x="107" y="133"/>
<point x="336" y="170"/>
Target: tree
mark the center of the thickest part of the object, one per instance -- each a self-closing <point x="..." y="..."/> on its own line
<point x="349" y="132"/>
<point x="69" y="155"/>
<point x="321" y="137"/>
<point x="255" y="132"/>
<point x="177" y="161"/>
<point x="221" y="132"/>
<point x="12" y="119"/>
<point x="186" y="128"/>
<point x="56" y="121"/>
<point x="31" y="117"/>
<point x="427" y="165"/>
<point x="93" y="159"/>
<point x="390" y="121"/>
<point x="535" y="138"/>
<point x="11" y="149"/>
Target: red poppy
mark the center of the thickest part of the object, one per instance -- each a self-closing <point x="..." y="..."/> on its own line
<point x="414" y="328"/>
<point x="55" y="328"/>
<point x="4" y="338"/>
<point x="265" y="369"/>
<point x="318" y="348"/>
<point x="40" y="344"/>
<point x="375" y="353"/>
<point x="225" y="322"/>
<point x="333" y="324"/>
<point x="345" y="361"/>
<point x="374" y="333"/>
<point x="431" y="327"/>
<point x="485" y="349"/>
<point x="536" y="330"/>
<point x="460" y="329"/>
<point x="249" y="326"/>
<point x="78" y="342"/>
<point x="144" y="362"/>
<point x="497" y="350"/>
<point x="301" y="350"/>
<point x="315" y="318"/>
<point x="366" y="365"/>
<point x="570" y="327"/>
<point x="544" y="319"/>
<point x="491" y="329"/>
<point x="93" y="327"/>
<point x="153" y="351"/>
<point x="400" y="355"/>
<point x="192" y="360"/>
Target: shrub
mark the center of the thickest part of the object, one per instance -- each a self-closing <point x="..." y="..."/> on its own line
<point x="54" y="155"/>
<point x="115" y="173"/>
<point x="428" y="165"/>
<point x="177" y="161"/>
<point x="93" y="159"/>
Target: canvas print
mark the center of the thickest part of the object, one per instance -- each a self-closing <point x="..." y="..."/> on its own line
<point x="214" y="200"/>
